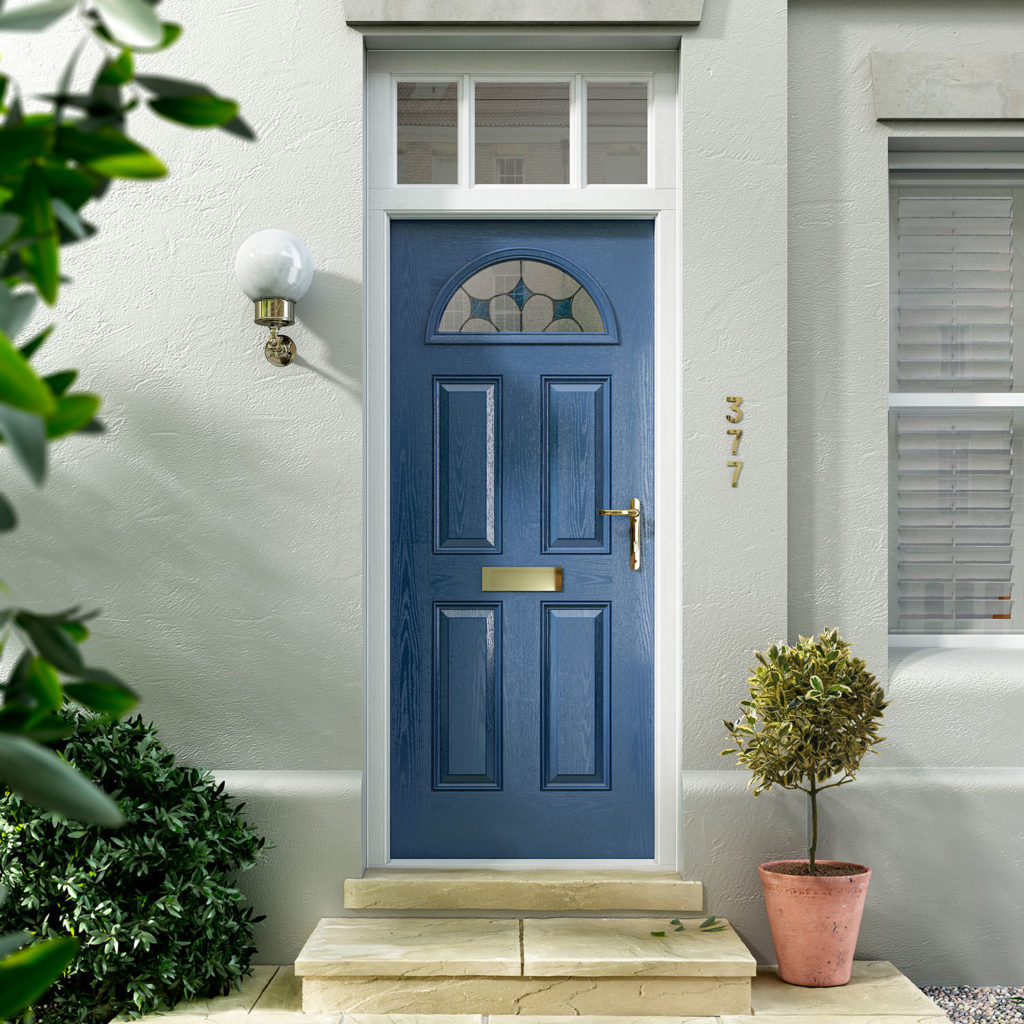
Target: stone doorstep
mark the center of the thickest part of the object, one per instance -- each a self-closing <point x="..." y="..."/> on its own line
<point x="405" y="947"/>
<point x="518" y="996"/>
<point x="506" y="966"/>
<point x="402" y="889"/>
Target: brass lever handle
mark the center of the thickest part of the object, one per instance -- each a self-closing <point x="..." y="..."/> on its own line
<point x="634" y="529"/>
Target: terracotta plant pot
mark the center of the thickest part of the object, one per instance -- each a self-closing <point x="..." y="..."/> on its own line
<point x="814" y="919"/>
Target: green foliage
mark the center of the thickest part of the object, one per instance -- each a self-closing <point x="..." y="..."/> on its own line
<point x="56" y="163"/>
<point x="812" y="714"/>
<point x="154" y="904"/>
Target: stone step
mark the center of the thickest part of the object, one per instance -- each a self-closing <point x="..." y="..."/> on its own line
<point x="387" y="889"/>
<point x="565" y="966"/>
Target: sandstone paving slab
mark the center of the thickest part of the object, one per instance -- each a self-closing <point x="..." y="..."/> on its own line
<point x="238" y="1001"/>
<point x="625" y="947"/>
<point x="593" y="1019"/>
<point x="630" y="997"/>
<point x="407" y="889"/>
<point x="876" y="987"/>
<point x="413" y="1018"/>
<point x="835" y="1018"/>
<point x="283" y="994"/>
<point x="407" y="947"/>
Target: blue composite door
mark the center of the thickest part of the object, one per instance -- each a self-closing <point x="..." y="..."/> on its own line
<point x="522" y="619"/>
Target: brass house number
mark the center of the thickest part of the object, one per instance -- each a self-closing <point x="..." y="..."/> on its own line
<point x="735" y="415"/>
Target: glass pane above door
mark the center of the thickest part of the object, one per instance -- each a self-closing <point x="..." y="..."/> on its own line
<point x="428" y="133"/>
<point x="616" y="133"/>
<point x="522" y="133"/>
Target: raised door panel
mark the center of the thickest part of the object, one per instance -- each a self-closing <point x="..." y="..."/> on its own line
<point x="467" y="696"/>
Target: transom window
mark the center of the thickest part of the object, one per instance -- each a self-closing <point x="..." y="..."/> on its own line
<point x="956" y="433"/>
<point x="544" y="130"/>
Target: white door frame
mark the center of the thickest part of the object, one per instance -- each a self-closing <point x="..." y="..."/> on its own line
<point x="657" y="201"/>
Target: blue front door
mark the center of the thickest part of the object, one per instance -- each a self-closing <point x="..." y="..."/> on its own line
<point x="521" y="406"/>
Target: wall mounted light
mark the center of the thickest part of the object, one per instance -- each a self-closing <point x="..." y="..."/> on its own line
<point x="275" y="270"/>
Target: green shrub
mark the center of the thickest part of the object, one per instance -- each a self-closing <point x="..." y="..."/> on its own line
<point x="153" y="903"/>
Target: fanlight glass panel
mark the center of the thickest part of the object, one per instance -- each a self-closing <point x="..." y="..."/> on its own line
<point x="521" y="297"/>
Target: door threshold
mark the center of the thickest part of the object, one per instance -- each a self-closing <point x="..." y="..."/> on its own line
<point x="570" y="864"/>
<point x="540" y="889"/>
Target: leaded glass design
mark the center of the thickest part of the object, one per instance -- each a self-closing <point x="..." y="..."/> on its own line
<point x="521" y="296"/>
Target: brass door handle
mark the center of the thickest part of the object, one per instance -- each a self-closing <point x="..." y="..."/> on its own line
<point x="634" y="529"/>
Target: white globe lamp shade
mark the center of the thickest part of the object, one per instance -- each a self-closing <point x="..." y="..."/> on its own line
<point x="274" y="264"/>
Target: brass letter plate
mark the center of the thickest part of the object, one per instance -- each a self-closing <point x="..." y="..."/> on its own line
<point x="521" y="577"/>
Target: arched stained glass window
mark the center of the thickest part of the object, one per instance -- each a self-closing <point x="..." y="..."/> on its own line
<point x="521" y="296"/>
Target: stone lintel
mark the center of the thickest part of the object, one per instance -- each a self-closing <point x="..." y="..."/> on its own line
<point x="375" y="14"/>
<point x="948" y="86"/>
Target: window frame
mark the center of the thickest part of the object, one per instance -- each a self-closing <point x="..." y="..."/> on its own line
<point x="943" y="171"/>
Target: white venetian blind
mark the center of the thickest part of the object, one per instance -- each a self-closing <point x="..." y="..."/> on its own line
<point x="954" y="520"/>
<point x="953" y="489"/>
<point x="954" y="293"/>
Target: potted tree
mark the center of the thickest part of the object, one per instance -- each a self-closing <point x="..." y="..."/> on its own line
<point x="812" y="715"/>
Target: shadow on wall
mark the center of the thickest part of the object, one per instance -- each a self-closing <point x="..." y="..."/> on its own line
<point x="332" y="311"/>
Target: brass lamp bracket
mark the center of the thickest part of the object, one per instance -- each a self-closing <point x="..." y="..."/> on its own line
<point x="276" y="313"/>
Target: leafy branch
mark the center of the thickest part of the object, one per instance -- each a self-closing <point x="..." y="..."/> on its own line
<point x="57" y="162"/>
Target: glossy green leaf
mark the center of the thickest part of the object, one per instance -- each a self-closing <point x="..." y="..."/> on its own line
<point x="117" y="71"/>
<point x="43" y="684"/>
<point x="196" y="111"/>
<point x="68" y="74"/>
<point x="41" y="259"/>
<point x="25" y="434"/>
<point x="129" y="165"/>
<point x="15" y="310"/>
<point x="171" y="34"/>
<point x="74" y="412"/>
<point x="8" y="517"/>
<point x="69" y="219"/>
<point x="9" y="224"/>
<point x="131" y="22"/>
<point x="104" y="698"/>
<point x="76" y="631"/>
<point x="51" y="642"/>
<point x="58" y="383"/>
<point x="659" y="935"/>
<point x="109" y="152"/>
<point x="179" y="88"/>
<point x="33" y="17"/>
<point x="74" y="186"/>
<point x="29" y="349"/>
<point x="27" y="974"/>
<point x="39" y="776"/>
<point x="26" y="142"/>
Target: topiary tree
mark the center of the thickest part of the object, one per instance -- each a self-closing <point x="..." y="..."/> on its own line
<point x="153" y="904"/>
<point x="812" y="715"/>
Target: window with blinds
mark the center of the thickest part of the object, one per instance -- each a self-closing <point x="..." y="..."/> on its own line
<point x="953" y="409"/>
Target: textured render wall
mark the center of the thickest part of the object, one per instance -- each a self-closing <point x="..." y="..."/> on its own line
<point x="218" y="523"/>
<point x="733" y="96"/>
<point x="938" y="813"/>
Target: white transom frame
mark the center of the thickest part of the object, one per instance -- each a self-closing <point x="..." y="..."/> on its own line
<point x="656" y="201"/>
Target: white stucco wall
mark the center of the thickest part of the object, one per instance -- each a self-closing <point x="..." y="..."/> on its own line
<point x="218" y="524"/>
<point x="938" y="813"/>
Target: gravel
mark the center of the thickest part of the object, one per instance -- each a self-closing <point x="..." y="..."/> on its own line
<point x="966" y="1004"/>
